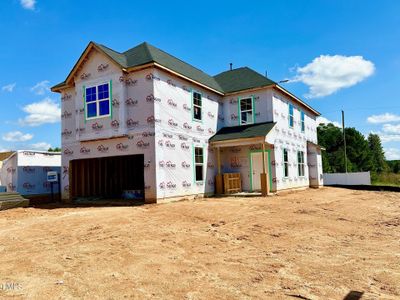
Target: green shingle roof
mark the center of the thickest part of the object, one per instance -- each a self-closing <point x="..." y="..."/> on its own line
<point x="146" y="53"/>
<point x="230" y="81"/>
<point x="243" y="131"/>
<point x="241" y="79"/>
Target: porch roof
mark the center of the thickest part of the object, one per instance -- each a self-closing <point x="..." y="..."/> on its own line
<point x="243" y="132"/>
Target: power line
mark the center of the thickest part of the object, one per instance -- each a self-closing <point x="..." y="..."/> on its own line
<point x="363" y="108"/>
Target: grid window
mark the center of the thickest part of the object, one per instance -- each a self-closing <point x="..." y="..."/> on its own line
<point x="97" y="101"/>
<point x="285" y="163"/>
<point x="199" y="163"/>
<point x="246" y="111"/>
<point x="291" y="118"/>
<point x="303" y="127"/>
<point x="197" y="102"/>
<point x="300" y="162"/>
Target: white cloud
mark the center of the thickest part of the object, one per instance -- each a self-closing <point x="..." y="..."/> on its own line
<point x="9" y="87"/>
<point x="17" y="136"/>
<point x="389" y="128"/>
<point x="392" y="153"/>
<point x="28" y="4"/>
<point x="43" y="112"/>
<point x="327" y="74"/>
<point x="323" y="120"/>
<point x="388" y="137"/>
<point x="41" y="146"/>
<point x="41" y="87"/>
<point x="383" y="118"/>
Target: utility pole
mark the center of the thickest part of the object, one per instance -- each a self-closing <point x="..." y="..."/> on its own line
<point x="344" y="139"/>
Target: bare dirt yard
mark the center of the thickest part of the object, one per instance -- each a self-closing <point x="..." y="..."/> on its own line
<point x="313" y="244"/>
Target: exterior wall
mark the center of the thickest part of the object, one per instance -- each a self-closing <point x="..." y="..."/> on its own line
<point x="26" y="172"/>
<point x="177" y="134"/>
<point x="8" y="173"/>
<point x="262" y="107"/>
<point x="292" y="139"/>
<point x="238" y="160"/>
<point x="273" y="106"/>
<point x="1" y="166"/>
<point x="152" y="115"/>
<point x="315" y="165"/>
<point x="128" y="131"/>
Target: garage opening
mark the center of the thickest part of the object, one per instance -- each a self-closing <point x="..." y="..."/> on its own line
<point x="113" y="177"/>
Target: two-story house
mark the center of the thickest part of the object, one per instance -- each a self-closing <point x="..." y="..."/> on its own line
<point x="147" y="123"/>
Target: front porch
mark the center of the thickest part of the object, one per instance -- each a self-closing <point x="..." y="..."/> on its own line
<point x="244" y="154"/>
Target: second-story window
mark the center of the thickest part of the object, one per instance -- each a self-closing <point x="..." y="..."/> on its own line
<point x="197" y="102"/>
<point x="246" y="111"/>
<point x="291" y="115"/>
<point x="302" y="124"/>
<point x="285" y="163"/>
<point x="97" y="101"/>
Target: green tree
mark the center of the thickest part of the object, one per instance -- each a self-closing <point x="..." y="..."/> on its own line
<point x="394" y="165"/>
<point x="358" y="154"/>
<point x="377" y="155"/>
<point x="56" y="149"/>
<point x="358" y="151"/>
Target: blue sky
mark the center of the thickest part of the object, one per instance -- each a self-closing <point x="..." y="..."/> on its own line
<point x="337" y="54"/>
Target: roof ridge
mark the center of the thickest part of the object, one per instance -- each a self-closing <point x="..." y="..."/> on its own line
<point x="104" y="46"/>
<point x="146" y="47"/>
<point x="177" y="58"/>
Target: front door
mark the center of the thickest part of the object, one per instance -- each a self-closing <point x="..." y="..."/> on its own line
<point x="257" y="169"/>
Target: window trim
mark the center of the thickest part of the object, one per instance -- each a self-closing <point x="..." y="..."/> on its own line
<point x="291" y="116"/>
<point x="195" y="164"/>
<point x="193" y="105"/>
<point x="285" y="162"/>
<point x="302" y="121"/>
<point x="97" y="101"/>
<point x="299" y="164"/>
<point x="253" y="110"/>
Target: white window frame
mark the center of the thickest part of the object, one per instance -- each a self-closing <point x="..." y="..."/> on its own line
<point x="97" y="101"/>
<point x="302" y="121"/>
<point x="285" y="163"/>
<point x="198" y="106"/>
<point x="300" y="164"/>
<point x="246" y="111"/>
<point x="196" y="164"/>
<point x="291" y="116"/>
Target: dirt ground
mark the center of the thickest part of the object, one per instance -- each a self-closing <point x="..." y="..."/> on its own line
<point x="313" y="244"/>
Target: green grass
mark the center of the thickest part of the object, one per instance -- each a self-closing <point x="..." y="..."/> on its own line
<point x="385" y="179"/>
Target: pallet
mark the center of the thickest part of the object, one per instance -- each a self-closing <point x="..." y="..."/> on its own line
<point x="232" y="183"/>
<point x="12" y="200"/>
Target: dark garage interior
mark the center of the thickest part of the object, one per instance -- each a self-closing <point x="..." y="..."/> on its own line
<point x="112" y="177"/>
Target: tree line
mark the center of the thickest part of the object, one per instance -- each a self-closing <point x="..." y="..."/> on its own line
<point x="363" y="154"/>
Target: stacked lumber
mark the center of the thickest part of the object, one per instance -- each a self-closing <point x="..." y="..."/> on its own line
<point x="12" y="200"/>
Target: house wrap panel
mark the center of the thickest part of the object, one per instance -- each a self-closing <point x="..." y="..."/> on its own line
<point x="292" y="139"/>
<point x="25" y="172"/>
<point x="262" y="107"/>
<point x="128" y="131"/>
<point x="152" y="115"/>
<point x="177" y="133"/>
<point x="9" y="173"/>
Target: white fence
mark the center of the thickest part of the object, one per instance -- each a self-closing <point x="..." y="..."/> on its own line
<point x="356" y="178"/>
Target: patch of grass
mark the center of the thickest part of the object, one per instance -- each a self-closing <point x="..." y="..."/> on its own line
<point x="385" y="179"/>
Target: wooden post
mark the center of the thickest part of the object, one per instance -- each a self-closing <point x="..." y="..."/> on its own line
<point x="218" y="179"/>
<point x="264" y="175"/>
<point x="263" y="156"/>
<point x="219" y="161"/>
